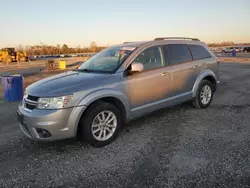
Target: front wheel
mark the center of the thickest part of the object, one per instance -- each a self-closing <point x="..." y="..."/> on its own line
<point x="204" y="94"/>
<point x="100" y="124"/>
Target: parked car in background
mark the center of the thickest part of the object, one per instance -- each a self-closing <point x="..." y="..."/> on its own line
<point x="238" y="48"/>
<point x="246" y="49"/>
<point x="230" y="49"/>
<point x="215" y="49"/>
<point x="241" y="49"/>
<point x="227" y="49"/>
<point x="116" y="85"/>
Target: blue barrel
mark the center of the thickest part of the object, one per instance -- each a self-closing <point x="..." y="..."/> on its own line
<point x="234" y="53"/>
<point x="13" y="87"/>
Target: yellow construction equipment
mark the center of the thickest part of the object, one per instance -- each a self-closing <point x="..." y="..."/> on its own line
<point x="8" y="55"/>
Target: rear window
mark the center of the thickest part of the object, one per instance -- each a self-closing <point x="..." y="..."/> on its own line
<point x="178" y="53"/>
<point x="199" y="52"/>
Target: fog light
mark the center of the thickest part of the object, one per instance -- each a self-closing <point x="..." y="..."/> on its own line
<point x="43" y="133"/>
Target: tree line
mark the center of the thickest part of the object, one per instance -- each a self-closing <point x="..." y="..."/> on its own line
<point x="222" y="44"/>
<point x="44" y="49"/>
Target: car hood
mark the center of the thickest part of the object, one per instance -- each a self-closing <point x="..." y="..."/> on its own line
<point x="64" y="83"/>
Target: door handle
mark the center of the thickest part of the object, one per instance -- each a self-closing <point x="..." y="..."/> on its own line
<point x="165" y="73"/>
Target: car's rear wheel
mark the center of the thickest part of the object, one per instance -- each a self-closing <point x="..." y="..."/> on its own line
<point x="100" y="124"/>
<point x="204" y="94"/>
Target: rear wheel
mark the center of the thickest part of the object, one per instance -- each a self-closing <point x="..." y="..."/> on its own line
<point x="204" y="94"/>
<point x="100" y="124"/>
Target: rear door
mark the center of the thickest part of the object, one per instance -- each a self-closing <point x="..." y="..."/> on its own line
<point x="183" y="68"/>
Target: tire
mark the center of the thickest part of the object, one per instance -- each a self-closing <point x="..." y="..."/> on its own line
<point x="198" y="102"/>
<point x="90" y="134"/>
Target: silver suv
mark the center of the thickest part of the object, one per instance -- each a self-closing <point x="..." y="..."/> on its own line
<point x="117" y="85"/>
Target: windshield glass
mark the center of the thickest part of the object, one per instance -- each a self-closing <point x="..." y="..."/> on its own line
<point x="107" y="60"/>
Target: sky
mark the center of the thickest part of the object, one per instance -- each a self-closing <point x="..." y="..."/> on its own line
<point x="108" y="22"/>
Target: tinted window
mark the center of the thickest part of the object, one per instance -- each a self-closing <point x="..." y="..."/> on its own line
<point x="178" y="53"/>
<point x="199" y="52"/>
<point x="151" y="58"/>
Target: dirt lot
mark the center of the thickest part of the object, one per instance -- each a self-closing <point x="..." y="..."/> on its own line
<point x="175" y="147"/>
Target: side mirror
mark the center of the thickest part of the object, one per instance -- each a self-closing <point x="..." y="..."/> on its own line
<point x="137" y="67"/>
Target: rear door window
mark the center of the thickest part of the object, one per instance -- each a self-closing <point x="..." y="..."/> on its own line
<point x="178" y="53"/>
<point x="199" y="52"/>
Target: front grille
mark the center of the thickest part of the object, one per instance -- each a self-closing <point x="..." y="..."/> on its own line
<point x="30" y="102"/>
<point x="32" y="98"/>
<point x="29" y="106"/>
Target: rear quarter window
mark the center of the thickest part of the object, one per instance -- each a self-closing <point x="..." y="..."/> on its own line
<point x="199" y="52"/>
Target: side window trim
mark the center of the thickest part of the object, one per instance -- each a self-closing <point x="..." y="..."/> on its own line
<point x="165" y="50"/>
<point x="162" y="55"/>
<point x="190" y="51"/>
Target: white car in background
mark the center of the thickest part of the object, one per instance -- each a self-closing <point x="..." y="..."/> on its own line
<point x="229" y="49"/>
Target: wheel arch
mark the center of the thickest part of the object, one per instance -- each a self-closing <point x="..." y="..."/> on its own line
<point x="111" y="96"/>
<point x="204" y="75"/>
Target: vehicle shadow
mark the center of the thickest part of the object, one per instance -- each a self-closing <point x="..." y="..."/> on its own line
<point x="76" y="143"/>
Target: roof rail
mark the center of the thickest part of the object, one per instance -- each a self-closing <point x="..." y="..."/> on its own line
<point x="185" y="38"/>
<point x="127" y="42"/>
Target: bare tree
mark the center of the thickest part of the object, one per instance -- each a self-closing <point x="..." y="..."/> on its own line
<point x="65" y="49"/>
<point x="93" y="47"/>
<point x="20" y="48"/>
<point x="58" y="48"/>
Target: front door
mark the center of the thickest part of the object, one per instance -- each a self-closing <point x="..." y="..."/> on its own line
<point x="150" y="88"/>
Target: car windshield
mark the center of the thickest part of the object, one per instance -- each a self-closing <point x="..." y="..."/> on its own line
<point x="108" y="60"/>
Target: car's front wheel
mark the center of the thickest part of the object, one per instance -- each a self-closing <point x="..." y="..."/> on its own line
<point x="100" y="124"/>
<point x="204" y="94"/>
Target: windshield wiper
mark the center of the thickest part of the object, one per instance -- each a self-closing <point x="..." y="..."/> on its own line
<point x="94" y="71"/>
<point x="82" y="70"/>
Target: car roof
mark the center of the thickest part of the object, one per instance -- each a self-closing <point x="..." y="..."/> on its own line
<point x="131" y="44"/>
<point x="160" y="41"/>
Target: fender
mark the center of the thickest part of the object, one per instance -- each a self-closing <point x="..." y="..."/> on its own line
<point x="204" y="73"/>
<point x="102" y="93"/>
<point x="92" y="97"/>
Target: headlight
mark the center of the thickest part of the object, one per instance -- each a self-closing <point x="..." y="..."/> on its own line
<point x="53" y="102"/>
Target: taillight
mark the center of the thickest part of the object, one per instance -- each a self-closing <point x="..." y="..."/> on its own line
<point x="217" y="61"/>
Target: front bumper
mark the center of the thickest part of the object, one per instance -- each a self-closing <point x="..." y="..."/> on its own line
<point x="60" y="124"/>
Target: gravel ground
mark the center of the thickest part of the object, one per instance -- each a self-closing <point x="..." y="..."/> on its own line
<point x="175" y="147"/>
